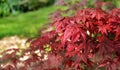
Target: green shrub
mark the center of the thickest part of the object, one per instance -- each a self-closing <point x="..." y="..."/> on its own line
<point x="4" y="8"/>
<point x="8" y="7"/>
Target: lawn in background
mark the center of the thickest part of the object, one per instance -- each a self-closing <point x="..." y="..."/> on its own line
<point x="25" y="24"/>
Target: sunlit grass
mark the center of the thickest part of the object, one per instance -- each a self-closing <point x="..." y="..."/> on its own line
<point x="25" y="24"/>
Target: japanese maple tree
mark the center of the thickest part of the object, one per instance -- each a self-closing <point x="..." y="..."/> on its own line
<point x="88" y="40"/>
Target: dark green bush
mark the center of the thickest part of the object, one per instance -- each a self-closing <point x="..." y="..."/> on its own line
<point x="4" y="8"/>
<point x="12" y="6"/>
<point x="27" y="5"/>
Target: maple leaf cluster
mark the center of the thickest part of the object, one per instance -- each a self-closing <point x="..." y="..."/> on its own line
<point x="88" y="40"/>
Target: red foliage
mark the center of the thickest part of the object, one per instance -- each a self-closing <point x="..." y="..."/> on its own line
<point x="88" y="40"/>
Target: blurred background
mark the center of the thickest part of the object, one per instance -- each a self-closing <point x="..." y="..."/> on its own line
<point x="23" y="17"/>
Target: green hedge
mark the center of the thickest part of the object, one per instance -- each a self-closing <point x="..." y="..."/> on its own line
<point x="12" y="6"/>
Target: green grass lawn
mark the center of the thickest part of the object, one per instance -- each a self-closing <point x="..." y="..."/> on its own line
<point x="25" y="24"/>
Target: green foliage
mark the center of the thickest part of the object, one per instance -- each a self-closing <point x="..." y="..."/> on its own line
<point x="4" y="8"/>
<point x="47" y="48"/>
<point x="116" y="3"/>
<point x="8" y="7"/>
<point x="32" y="4"/>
